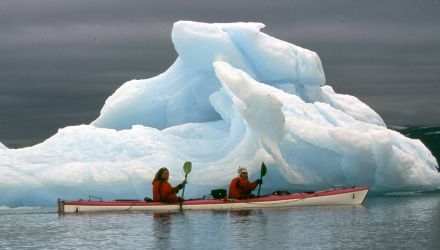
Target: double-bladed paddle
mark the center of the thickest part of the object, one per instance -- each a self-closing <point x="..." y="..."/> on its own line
<point x="262" y="173"/>
<point x="187" y="166"/>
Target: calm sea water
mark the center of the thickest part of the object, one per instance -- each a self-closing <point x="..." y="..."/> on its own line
<point x="405" y="222"/>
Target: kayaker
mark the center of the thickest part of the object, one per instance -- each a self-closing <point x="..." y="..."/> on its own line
<point x="240" y="187"/>
<point x="162" y="190"/>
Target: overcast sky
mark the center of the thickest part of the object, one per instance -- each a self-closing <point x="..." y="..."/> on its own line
<point x="60" y="60"/>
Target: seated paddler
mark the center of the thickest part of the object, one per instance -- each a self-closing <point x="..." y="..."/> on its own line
<point x="240" y="187"/>
<point x="162" y="189"/>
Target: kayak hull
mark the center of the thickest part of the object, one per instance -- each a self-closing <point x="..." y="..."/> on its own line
<point x="333" y="197"/>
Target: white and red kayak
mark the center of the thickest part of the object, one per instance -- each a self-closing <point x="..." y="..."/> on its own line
<point x="346" y="196"/>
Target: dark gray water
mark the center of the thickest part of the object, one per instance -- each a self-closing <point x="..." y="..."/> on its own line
<point x="406" y="222"/>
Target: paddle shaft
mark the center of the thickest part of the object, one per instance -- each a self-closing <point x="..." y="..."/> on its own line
<point x="183" y="191"/>
<point x="259" y="185"/>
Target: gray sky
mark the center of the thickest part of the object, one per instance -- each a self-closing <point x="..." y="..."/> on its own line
<point x="60" y="60"/>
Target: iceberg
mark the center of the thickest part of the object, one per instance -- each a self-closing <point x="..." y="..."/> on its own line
<point x="235" y="96"/>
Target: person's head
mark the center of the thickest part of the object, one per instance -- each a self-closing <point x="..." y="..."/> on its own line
<point x="242" y="172"/>
<point x="162" y="175"/>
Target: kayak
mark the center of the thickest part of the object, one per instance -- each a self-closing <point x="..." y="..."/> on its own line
<point x="331" y="197"/>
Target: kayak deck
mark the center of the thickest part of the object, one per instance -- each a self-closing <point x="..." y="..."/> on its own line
<point x="347" y="196"/>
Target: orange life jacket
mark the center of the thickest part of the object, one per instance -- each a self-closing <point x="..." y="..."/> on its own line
<point x="163" y="191"/>
<point x="241" y="188"/>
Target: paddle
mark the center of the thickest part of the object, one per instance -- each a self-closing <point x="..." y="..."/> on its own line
<point x="187" y="166"/>
<point x="263" y="173"/>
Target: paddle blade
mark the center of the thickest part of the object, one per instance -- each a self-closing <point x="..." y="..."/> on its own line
<point x="187" y="166"/>
<point x="263" y="169"/>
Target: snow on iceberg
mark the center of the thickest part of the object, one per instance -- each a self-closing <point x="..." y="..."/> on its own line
<point x="234" y="96"/>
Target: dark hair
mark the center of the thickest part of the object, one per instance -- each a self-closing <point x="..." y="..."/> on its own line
<point x="158" y="176"/>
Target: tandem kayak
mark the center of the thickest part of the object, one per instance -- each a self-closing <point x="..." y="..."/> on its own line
<point x="345" y="196"/>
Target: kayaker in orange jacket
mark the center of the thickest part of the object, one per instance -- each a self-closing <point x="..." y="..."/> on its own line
<point x="240" y="187"/>
<point x="162" y="190"/>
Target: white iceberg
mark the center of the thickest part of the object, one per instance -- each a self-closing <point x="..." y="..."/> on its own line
<point x="234" y="96"/>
